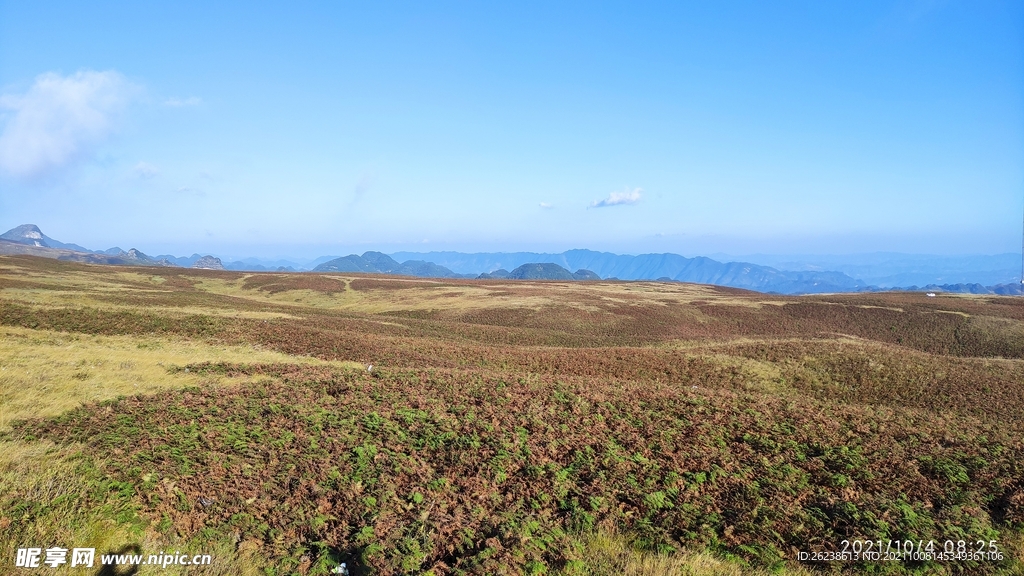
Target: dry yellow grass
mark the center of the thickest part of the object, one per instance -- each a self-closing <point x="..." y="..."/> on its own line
<point x="45" y="373"/>
<point x="58" y="298"/>
<point x="421" y="294"/>
<point x="609" y="554"/>
<point x="43" y="472"/>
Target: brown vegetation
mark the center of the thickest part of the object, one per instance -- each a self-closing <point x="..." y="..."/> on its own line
<point x="507" y="424"/>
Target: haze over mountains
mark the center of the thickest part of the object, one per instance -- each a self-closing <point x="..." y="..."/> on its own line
<point x="787" y="275"/>
<point x="656" y="267"/>
<point x="889" y="269"/>
<point x="379" y="263"/>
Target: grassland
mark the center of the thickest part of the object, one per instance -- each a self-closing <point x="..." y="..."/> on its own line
<point x="506" y="427"/>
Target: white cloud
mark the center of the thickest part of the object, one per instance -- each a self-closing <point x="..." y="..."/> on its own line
<point x="627" y="196"/>
<point x="546" y="205"/>
<point x="180" y="102"/>
<point x="145" y="170"/>
<point x="60" y="119"/>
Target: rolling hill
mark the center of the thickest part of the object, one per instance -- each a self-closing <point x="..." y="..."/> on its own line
<point x="506" y="427"/>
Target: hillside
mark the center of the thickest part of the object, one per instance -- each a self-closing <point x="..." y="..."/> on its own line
<point x="546" y="271"/>
<point x="378" y="263"/>
<point x="506" y="427"/>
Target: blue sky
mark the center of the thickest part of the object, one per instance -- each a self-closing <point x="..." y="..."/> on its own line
<point x="301" y="129"/>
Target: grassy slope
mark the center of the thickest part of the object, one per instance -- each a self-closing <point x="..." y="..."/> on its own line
<point x="507" y="427"/>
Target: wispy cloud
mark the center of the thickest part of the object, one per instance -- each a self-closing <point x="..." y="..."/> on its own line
<point x="627" y="196"/>
<point x="546" y="205"/>
<point x="361" y="189"/>
<point x="188" y="191"/>
<point x="180" y="102"/>
<point x="145" y="170"/>
<point x="60" y="119"/>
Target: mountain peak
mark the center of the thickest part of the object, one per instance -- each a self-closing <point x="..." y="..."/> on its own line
<point x="31" y="235"/>
<point x="381" y="261"/>
<point x="209" y="263"/>
<point x="26" y="234"/>
<point x="540" y="271"/>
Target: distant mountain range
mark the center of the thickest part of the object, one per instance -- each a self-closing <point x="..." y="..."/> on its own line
<point x="889" y="269"/>
<point x="379" y="263"/>
<point x="654" y="267"/>
<point x="588" y="265"/>
<point x="29" y="239"/>
<point x="540" y="271"/>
